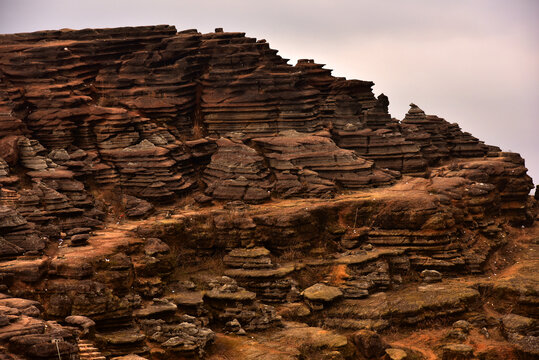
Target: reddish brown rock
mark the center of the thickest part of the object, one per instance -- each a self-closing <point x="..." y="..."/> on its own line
<point x="9" y="150"/>
<point x="237" y="172"/>
<point x="387" y="148"/>
<point x="445" y="138"/>
<point x="17" y="231"/>
<point x="100" y="128"/>
<point x="292" y="153"/>
<point x="137" y="208"/>
<point x="369" y="344"/>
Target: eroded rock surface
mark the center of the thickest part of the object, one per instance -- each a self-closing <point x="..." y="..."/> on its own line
<point x="171" y="194"/>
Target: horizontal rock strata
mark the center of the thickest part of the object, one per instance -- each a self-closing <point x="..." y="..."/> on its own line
<point x="164" y="194"/>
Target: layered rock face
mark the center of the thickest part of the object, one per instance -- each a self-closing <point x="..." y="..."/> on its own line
<point x="439" y="139"/>
<point x="98" y="94"/>
<point x="164" y="193"/>
<point x="237" y="172"/>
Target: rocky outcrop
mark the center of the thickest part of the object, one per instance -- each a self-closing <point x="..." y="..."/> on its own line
<point x="237" y="172"/>
<point x="302" y="165"/>
<point x="426" y="218"/>
<point x="523" y="332"/>
<point x="445" y="139"/>
<point x="17" y="234"/>
<point x="182" y="335"/>
<point x="26" y="334"/>
<point x="137" y="208"/>
<point x="506" y="173"/>
<point x="254" y="269"/>
<point x="163" y="191"/>
<point x="368" y="271"/>
<point x="410" y="307"/>
<point x="249" y="88"/>
<point x="229" y="302"/>
<point x="318" y="294"/>
<point x="146" y="170"/>
<point x="386" y="147"/>
<point x="132" y="110"/>
<point x="293" y="153"/>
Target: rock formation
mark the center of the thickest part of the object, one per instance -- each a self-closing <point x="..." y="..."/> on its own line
<point x="163" y="194"/>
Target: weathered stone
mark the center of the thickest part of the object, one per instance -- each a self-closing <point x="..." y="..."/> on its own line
<point x="86" y="324"/>
<point x="187" y="298"/>
<point x="457" y="352"/>
<point x="100" y="125"/>
<point x="294" y="310"/>
<point x="237" y="172"/>
<point x="222" y="294"/>
<point x="368" y="343"/>
<point x="463" y="325"/>
<point x="396" y="354"/>
<point x="157" y="309"/>
<point x="137" y="208"/>
<point x="431" y="276"/>
<point x="154" y="246"/>
<point x="129" y="357"/>
<point x="248" y="258"/>
<point x="517" y="323"/>
<point x="322" y="292"/>
<point x="44" y="345"/>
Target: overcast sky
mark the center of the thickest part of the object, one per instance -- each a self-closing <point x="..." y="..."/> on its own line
<point x="471" y="62"/>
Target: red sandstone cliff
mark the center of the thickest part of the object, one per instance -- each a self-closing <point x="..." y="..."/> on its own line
<point x="300" y="177"/>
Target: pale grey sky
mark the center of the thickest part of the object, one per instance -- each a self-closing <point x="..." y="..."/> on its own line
<point x="471" y="62"/>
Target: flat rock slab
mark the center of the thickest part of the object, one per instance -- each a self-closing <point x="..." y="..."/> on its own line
<point x="129" y="357"/>
<point x="315" y="337"/>
<point x="155" y="310"/>
<point x="396" y="354"/>
<point x="431" y="276"/>
<point x="77" y="263"/>
<point x="249" y="253"/>
<point x="241" y="295"/>
<point x="121" y="337"/>
<point x="322" y="292"/>
<point x="25" y="270"/>
<point x="187" y="298"/>
<point x="294" y="341"/>
<point x="406" y="305"/>
<point x="246" y="348"/>
<point x="361" y="324"/>
<point x="19" y="303"/>
<point x="23" y="326"/>
<point x="294" y="310"/>
<point x="517" y="323"/>
<point x="261" y="273"/>
<point x="368" y="256"/>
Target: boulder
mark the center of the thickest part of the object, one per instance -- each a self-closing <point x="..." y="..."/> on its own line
<point x="431" y="276"/>
<point x="321" y="292"/>
<point x="396" y="354"/>
<point x="369" y="344"/>
<point x="513" y="323"/>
